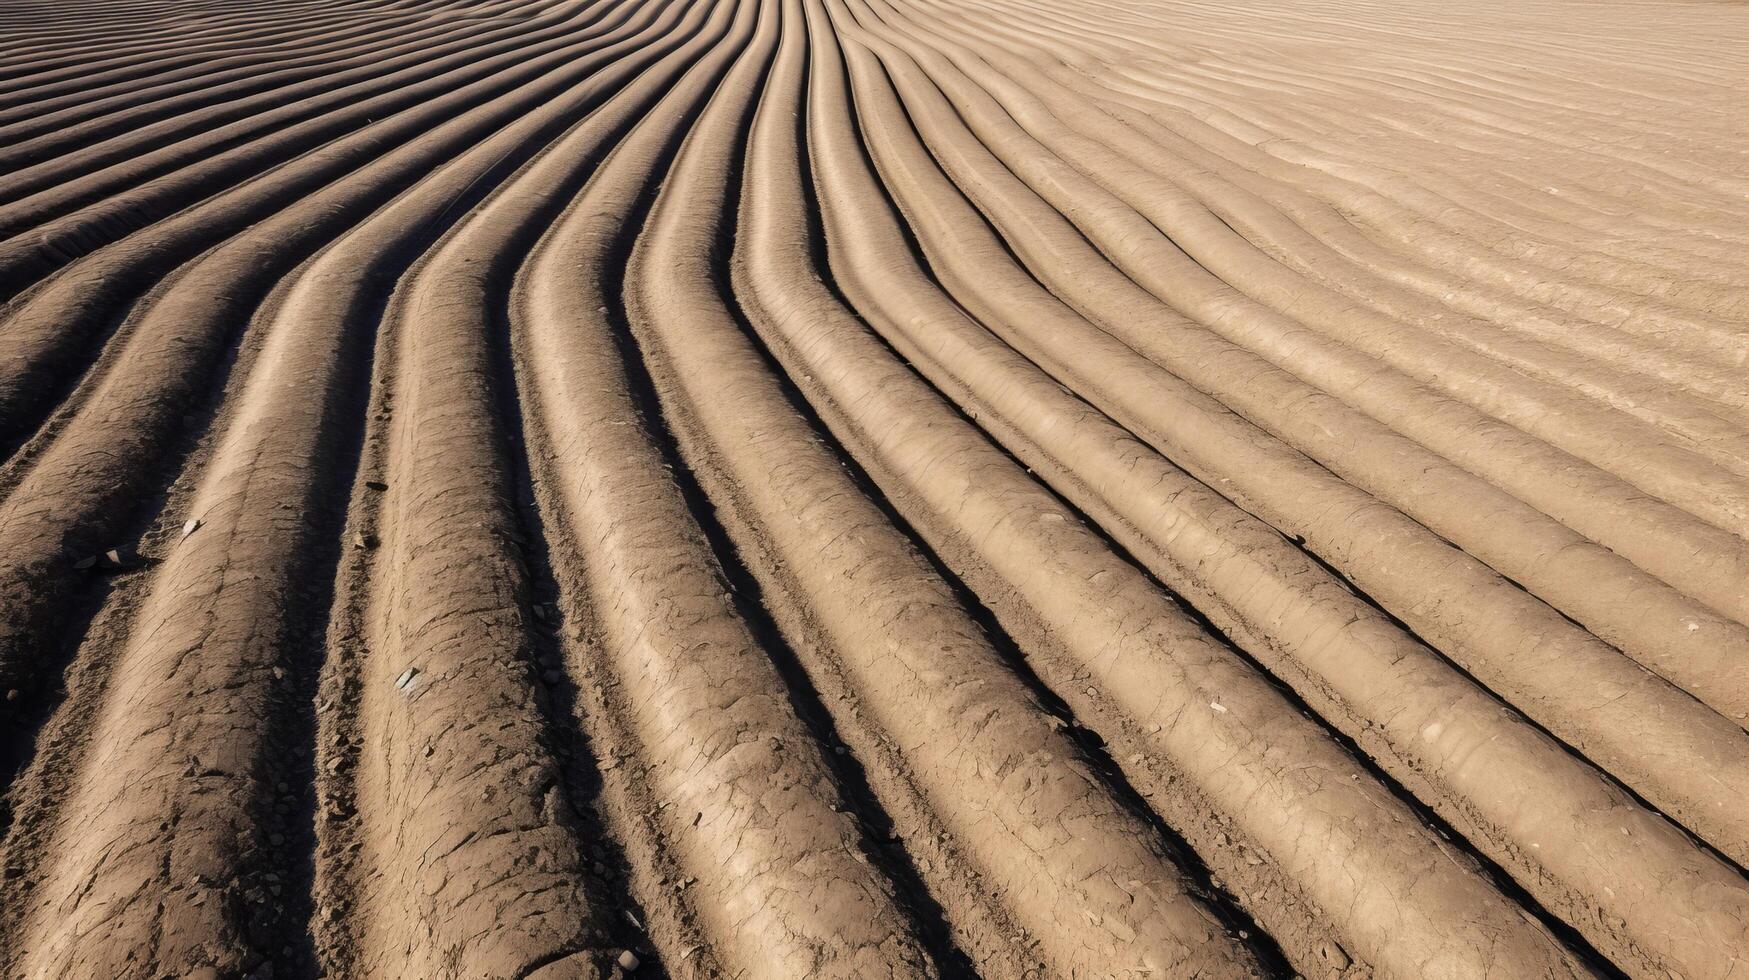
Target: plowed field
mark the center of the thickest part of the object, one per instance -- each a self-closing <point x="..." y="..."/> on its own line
<point x="874" y="488"/>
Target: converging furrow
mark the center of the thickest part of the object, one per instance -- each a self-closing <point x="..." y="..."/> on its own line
<point x="873" y="488"/>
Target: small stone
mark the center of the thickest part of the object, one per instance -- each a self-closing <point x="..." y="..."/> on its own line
<point x="628" y="960"/>
<point x="85" y="562"/>
<point x="1334" y="955"/>
<point x="377" y="485"/>
<point x="191" y="526"/>
<point x="364" y="542"/>
<point x="12" y="694"/>
<point x="406" y="678"/>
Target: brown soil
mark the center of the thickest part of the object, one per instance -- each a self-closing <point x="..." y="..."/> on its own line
<point x="874" y="488"/>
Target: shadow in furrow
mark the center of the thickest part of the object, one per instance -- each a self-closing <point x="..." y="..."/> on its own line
<point x="894" y="859"/>
<point x="578" y="765"/>
<point x="1091" y="745"/>
<point x="1497" y="875"/>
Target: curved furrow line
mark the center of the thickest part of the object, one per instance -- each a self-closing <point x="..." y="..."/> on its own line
<point x="1447" y="209"/>
<point x="909" y="653"/>
<point x="35" y="67"/>
<point x="36" y="58"/>
<point x="1399" y="116"/>
<point x="77" y="170"/>
<point x="746" y="801"/>
<point x="439" y="671"/>
<point x="217" y="621"/>
<point x="444" y="716"/>
<point x="1624" y="718"/>
<point x="1702" y="479"/>
<point x="49" y="330"/>
<point x="1359" y="377"/>
<point x="1700" y="235"/>
<point x="1594" y="864"/>
<point x="69" y="499"/>
<point x="1268" y="559"/>
<point x="1287" y="138"/>
<point x="1527" y="292"/>
<point x="1645" y="618"/>
<point x="69" y="150"/>
<point x="842" y="488"/>
<point x="1207" y="713"/>
<point x="315" y="41"/>
<point x="287" y="152"/>
<point x="1212" y="179"/>
<point x="1216" y="104"/>
<point x="1668" y="171"/>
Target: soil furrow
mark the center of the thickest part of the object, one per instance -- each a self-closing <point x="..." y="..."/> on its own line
<point x="542" y="489"/>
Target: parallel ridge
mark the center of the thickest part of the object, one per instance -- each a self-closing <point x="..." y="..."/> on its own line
<point x="849" y="488"/>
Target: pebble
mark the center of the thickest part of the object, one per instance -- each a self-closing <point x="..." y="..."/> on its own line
<point x="191" y="526"/>
<point x="406" y="677"/>
<point x="628" y="960"/>
<point x="377" y="485"/>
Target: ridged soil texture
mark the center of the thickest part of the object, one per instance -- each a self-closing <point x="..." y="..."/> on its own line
<point x="873" y="488"/>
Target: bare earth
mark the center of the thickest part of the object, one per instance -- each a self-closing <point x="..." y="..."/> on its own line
<point x="874" y="488"/>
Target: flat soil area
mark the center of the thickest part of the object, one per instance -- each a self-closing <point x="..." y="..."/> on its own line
<point x="555" y="489"/>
